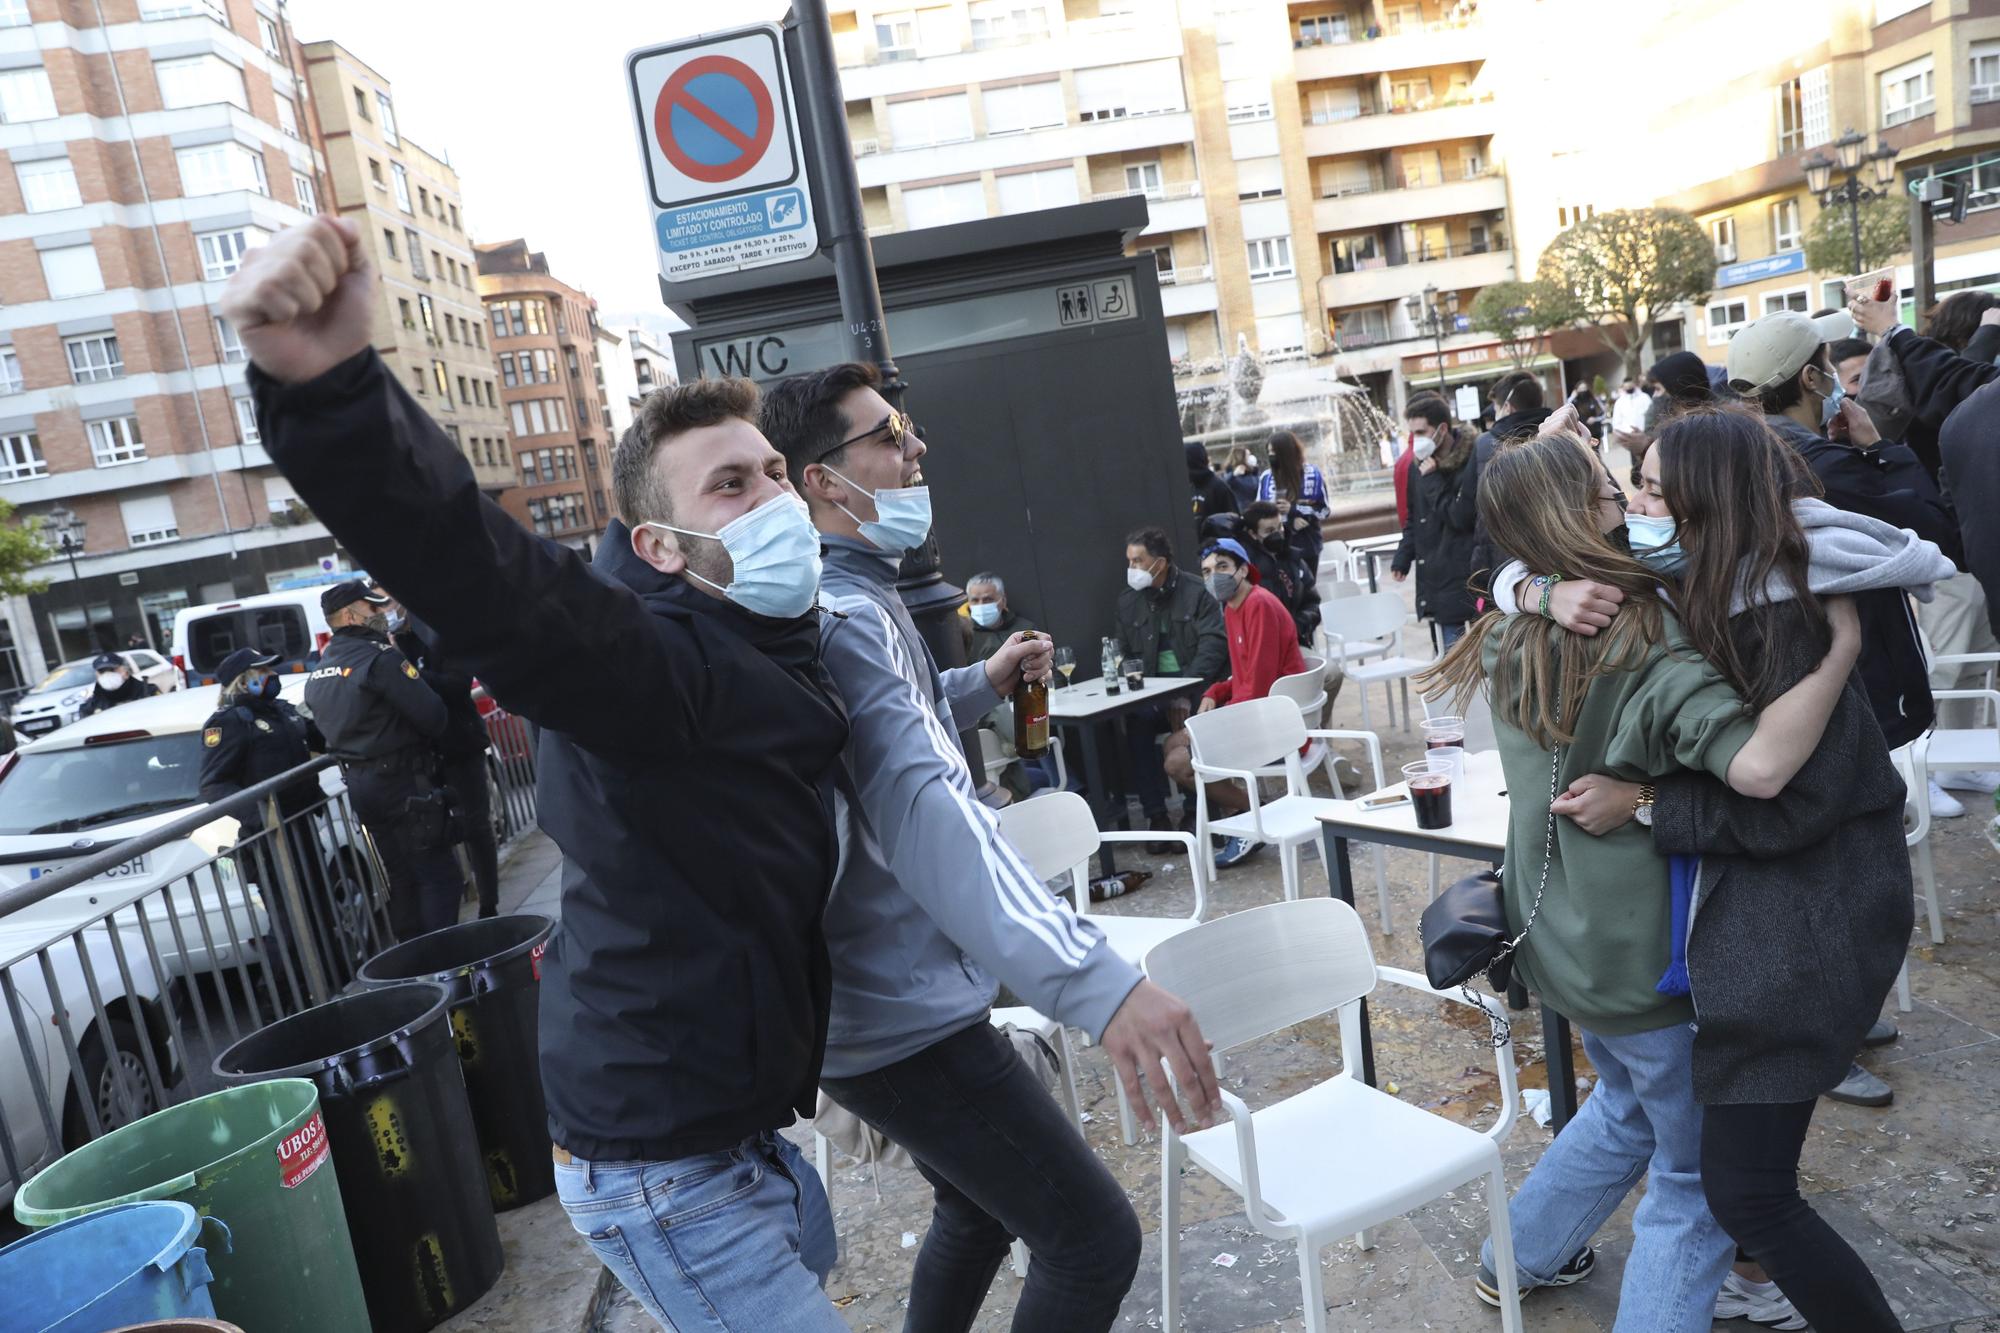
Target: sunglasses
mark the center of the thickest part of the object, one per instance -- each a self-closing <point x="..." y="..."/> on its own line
<point x="897" y="425"/>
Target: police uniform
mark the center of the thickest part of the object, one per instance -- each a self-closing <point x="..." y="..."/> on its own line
<point x="101" y="698"/>
<point x="381" y="719"/>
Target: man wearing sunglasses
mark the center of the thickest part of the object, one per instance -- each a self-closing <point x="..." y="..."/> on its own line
<point x="932" y="909"/>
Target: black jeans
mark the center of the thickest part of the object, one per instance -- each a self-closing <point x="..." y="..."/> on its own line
<point x="1005" y="1161"/>
<point x="1146" y="769"/>
<point x="466" y="777"/>
<point x="1750" y="1171"/>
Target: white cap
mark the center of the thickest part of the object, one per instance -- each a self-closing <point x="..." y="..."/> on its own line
<point x="1775" y="348"/>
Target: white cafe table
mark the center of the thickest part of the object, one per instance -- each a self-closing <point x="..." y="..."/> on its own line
<point x="1088" y="711"/>
<point x="1370" y="548"/>
<point x="1477" y="832"/>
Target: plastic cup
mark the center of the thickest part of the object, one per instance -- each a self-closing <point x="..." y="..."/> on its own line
<point x="1429" y="781"/>
<point x="1442" y="731"/>
<point x="1453" y="755"/>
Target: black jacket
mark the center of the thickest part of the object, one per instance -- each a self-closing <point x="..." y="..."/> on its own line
<point x="368" y="700"/>
<point x="252" y="739"/>
<point x="1955" y="394"/>
<point x="981" y="643"/>
<point x="1804" y="911"/>
<point x="1886" y="482"/>
<point x="1444" y="514"/>
<point x="1286" y="574"/>
<point x="1211" y="496"/>
<point x="1936" y="388"/>
<point x="1485" y="558"/>
<point x="686" y="769"/>
<point x="101" y="698"/>
<point x="1181" y="616"/>
<point x="464" y="730"/>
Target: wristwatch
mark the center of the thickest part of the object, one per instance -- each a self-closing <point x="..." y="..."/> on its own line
<point x="1642" y="804"/>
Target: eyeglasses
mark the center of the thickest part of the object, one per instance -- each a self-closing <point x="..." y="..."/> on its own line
<point x="897" y="425"/>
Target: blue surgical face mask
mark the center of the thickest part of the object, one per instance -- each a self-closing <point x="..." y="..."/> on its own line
<point x="902" y="517"/>
<point x="776" y="554"/>
<point x="986" y="614"/>
<point x="1830" y="407"/>
<point x="1655" y="542"/>
<point x="268" y="687"/>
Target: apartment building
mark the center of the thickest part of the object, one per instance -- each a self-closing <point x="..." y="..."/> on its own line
<point x="1912" y="77"/>
<point x="1309" y="166"/>
<point x="630" y="364"/>
<point x="430" y="325"/>
<point x="149" y="145"/>
<point x="544" y="334"/>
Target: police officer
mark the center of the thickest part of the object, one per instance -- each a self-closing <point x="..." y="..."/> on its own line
<point x="382" y="720"/>
<point x="115" y="685"/>
<point x="252" y="736"/>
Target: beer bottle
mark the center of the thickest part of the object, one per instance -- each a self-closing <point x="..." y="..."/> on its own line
<point x="1031" y="717"/>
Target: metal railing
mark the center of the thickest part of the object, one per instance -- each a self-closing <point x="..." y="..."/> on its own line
<point x="117" y="1000"/>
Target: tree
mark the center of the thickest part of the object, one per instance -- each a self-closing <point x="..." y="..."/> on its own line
<point x="1521" y="314"/>
<point x="1624" y="270"/>
<point x="1885" y="233"/>
<point x="21" y="549"/>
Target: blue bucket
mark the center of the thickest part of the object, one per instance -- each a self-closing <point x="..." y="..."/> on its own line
<point x="125" y="1264"/>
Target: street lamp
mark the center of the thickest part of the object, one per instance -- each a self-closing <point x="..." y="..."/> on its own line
<point x="1432" y="317"/>
<point x="67" y="529"/>
<point x="1848" y="156"/>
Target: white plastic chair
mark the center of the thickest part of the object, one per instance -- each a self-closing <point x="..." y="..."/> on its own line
<point x="1371" y="626"/>
<point x="1337" y="561"/>
<point x="992" y="748"/>
<point x="1340" y="1157"/>
<point x="1235" y="744"/>
<point x="1917" y="837"/>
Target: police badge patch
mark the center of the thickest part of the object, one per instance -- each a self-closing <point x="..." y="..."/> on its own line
<point x="211" y="737"/>
<point x="262" y="725"/>
<point x="410" y="670"/>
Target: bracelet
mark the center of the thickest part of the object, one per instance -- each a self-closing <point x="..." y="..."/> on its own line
<point x="1548" y="583"/>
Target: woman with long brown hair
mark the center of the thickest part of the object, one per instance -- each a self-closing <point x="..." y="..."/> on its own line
<point x="1594" y="911"/>
<point x="1801" y="912"/>
<point x="1299" y="491"/>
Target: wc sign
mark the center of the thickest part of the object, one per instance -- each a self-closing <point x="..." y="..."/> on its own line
<point x="724" y="164"/>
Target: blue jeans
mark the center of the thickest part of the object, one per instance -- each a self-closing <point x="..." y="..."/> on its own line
<point x="738" y="1241"/>
<point x="1642" y="1119"/>
<point x="1449" y="634"/>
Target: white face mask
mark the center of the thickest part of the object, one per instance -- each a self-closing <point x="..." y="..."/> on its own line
<point x="1425" y="446"/>
<point x="1138" y="579"/>
<point x="775" y="551"/>
<point x="109" y="680"/>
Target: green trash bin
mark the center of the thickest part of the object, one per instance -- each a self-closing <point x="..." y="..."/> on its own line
<point x="256" y="1156"/>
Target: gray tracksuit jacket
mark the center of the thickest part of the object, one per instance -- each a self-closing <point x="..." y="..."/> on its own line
<point x="930" y="905"/>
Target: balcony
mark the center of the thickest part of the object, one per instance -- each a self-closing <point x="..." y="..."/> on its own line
<point x="1192" y="292"/>
<point x="999" y="152"/>
<point x="1175" y="206"/>
<point x="1441" y="42"/>
<point x="1153" y="32"/>
<point x="1447" y="270"/>
<point x="1373" y="131"/>
<point x="1359" y="209"/>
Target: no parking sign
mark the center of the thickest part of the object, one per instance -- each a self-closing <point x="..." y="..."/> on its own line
<point x="719" y="136"/>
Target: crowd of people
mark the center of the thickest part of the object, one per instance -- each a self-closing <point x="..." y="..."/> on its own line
<point x="783" y="879"/>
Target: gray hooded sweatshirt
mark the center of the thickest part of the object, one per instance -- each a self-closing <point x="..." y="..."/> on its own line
<point x="930" y="903"/>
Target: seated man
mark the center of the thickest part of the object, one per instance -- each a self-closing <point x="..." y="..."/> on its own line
<point x="988" y="625"/>
<point x="1262" y="647"/>
<point x="1281" y="570"/>
<point x="1168" y="621"/>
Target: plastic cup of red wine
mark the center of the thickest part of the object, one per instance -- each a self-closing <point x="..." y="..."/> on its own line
<point x="1429" y="781"/>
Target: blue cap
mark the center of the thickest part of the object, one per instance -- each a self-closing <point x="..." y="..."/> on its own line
<point x="1230" y="547"/>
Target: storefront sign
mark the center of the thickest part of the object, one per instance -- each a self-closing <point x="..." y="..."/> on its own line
<point x="1750" y="270"/>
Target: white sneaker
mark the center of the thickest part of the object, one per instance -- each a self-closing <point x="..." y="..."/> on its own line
<point x="1982" y="780"/>
<point x="1759" y="1302"/>
<point x="1943" y="804"/>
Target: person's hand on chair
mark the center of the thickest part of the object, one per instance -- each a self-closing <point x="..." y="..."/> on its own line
<point x="1154" y="1032"/>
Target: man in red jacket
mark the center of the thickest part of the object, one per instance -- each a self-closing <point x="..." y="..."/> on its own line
<point x="1263" y="645"/>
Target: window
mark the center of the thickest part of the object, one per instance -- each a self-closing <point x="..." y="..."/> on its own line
<point x="1020" y="107"/>
<point x="14" y="14"/>
<point x="1260" y="178"/>
<point x="10" y="371"/>
<point x="1270" y="257"/>
<point x="936" y="205"/>
<point x="427" y="314"/>
<point x="1330" y="106"/>
<point x="1722" y="231"/>
<point x="226" y="339"/>
<point x="1985" y="72"/>
<point x="389" y="242"/>
<point x="1247" y="99"/>
<point x="424" y="200"/>
<point x="896" y="35"/>
<point x="1799" y="299"/>
<point x="1323" y="30"/>
<point x="1113" y="92"/>
<point x="437" y="264"/>
<point x="479" y="333"/>
<point x="21" y="457"/>
<point x="115" y="440"/>
<point x="199" y="81"/>
<point x="246" y="426"/>
<point x="1360" y="328"/>
<point x="361" y="104"/>
<point x="507" y="369"/>
<point x="417" y="375"/>
<point x="1724" y="319"/>
<point x="1357" y="252"/>
<point x="413" y="246"/>
<point x="930" y="120"/>
<point x="305" y="192"/>
<point x="94" y="357"/>
<point x="403" y="307"/>
<point x="48" y="185"/>
<point x="1144" y="178"/>
<point x="1281" y="335"/>
<point x="25" y="94"/>
<point x="499" y="321"/>
<point x="288" y="114"/>
<point x="1787" y="233"/>
<point x="219" y="167"/>
<point x="1007" y="22"/>
<point x="402" y="178"/>
<point x="388" y="119"/>
<point x="267" y="34"/>
<point x="149" y="519"/>
<point x="442" y="378"/>
<point x="71" y="271"/>
<point x="1026" y="191"/>
<point x="464" y="391"/>
<point x="451" y="327"/>
<point x="222" y="251"/>
<point x="545" y="367"/>
<point x="1791" y="116"/>
<point x="1908" y="91"/>
<point x="180" y="9"/>
<point x="1410" y="94"/>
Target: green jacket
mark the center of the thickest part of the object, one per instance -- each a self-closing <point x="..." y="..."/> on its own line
<point x="1601" y="941"/>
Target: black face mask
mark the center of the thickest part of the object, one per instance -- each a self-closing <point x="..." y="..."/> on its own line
<point x="1620" y="538"/>
<point x="1275" y="542"/>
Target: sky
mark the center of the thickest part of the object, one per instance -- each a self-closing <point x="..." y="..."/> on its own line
<point x="528" y="101"/>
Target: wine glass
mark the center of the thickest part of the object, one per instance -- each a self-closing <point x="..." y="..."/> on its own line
<point x="1066" y="663"/>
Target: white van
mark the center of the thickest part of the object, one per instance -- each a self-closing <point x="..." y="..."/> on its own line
<point x="287" y="623"/>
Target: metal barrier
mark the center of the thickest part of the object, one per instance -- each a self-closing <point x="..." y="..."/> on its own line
<point x="116" y="1000"/>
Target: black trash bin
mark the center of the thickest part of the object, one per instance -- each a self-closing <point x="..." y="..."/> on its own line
<point x="490" y="968"/>
<point x="403" y="1144"/>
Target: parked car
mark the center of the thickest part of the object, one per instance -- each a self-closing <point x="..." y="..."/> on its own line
<point x="54" y="702"/>
<point x="287" y="623"/>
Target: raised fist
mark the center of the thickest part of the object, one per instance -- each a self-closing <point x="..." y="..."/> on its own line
<point x="305" y="302"/>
